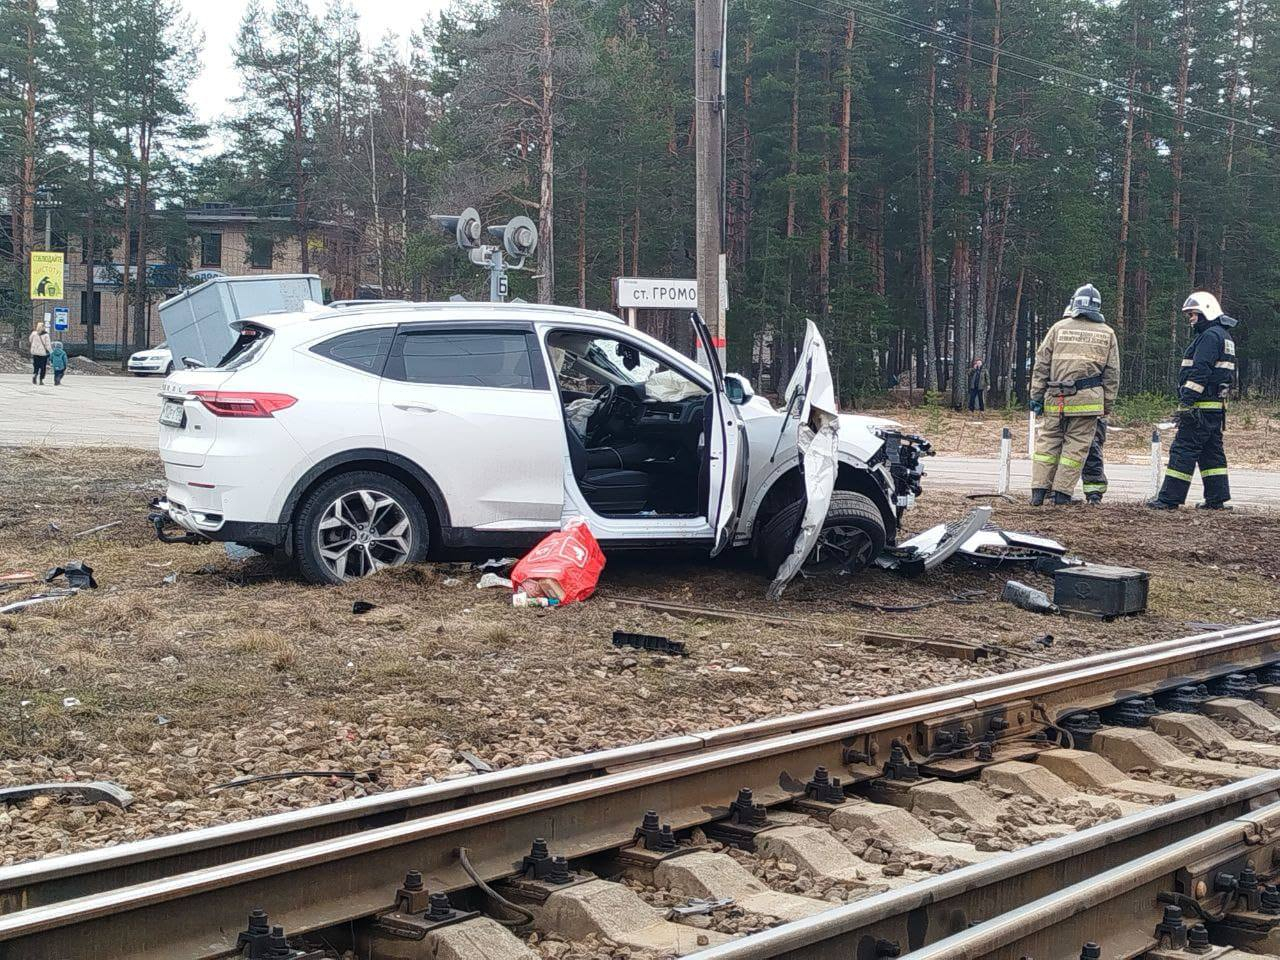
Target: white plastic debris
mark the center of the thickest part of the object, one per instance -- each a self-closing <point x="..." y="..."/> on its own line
<point x="491" y="580"/>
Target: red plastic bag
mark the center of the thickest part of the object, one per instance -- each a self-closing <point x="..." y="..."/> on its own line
<point x="567" y="562"/>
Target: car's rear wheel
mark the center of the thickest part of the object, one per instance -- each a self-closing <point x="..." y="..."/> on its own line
<point x="852" y="536"/>
<point x="358" y="523"/>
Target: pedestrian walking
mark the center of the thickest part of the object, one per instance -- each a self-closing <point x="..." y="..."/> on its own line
<point x="1094" y="474"/>
<point x="41" y="347"/>
<point x="979" y="384"/>
<point x="1075" y="382"/>
<point x="58" y="362"/>
<point x="1208" y="370"/>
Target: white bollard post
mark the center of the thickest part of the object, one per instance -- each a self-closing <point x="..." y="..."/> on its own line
<point x="1156" y="475"/>
<point x="1002" y="468"/>
<point x="1031" y="434"/>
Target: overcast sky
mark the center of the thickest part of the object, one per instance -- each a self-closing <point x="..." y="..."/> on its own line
<point x="211" y="92"/>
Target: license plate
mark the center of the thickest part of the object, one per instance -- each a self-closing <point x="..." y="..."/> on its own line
<point x="172" y="414"/>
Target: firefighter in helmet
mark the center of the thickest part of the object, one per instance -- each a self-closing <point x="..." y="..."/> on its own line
<point x="1207" y="373"/>
<point x="1074" y="383"/>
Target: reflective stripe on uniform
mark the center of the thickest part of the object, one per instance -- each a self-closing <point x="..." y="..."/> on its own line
<point x="1177" y="474"/>
<point x="1068" y="462"/>
<point x="1225" y="365"/>
<point x="1229" y="347"/>
<point x="1188" y="363"/>
<point x="1044" y="458"/>
<point x="1209" y="405"/>
<point x="1081" y="408"/>
<point x="1213" y="472"/>
<point x="1192" y="385"/>
<point x="1095" y="488"/>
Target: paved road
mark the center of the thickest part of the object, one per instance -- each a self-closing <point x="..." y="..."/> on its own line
<point x="122" y="411"/>
<point x="83" y="411"/>
<point x="1127" y="481"/>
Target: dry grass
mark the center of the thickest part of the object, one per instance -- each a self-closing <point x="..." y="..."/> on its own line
<point x="236" y="668"/>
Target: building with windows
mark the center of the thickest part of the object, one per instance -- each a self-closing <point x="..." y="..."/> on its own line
<point x="224" y="240"/>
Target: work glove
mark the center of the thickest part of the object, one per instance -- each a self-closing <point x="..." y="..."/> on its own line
<point x="1189" y="416"/>
<point x="1037" y="406"/>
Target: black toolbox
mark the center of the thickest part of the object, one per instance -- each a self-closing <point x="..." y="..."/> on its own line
<point x="1097" y="590"/>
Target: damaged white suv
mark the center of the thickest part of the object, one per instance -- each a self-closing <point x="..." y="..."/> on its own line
<point x="363" y="437"/>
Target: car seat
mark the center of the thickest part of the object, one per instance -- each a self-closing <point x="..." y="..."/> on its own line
<point x="607" y="490"/>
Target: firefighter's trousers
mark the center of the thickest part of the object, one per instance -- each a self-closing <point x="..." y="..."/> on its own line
<point x="1061" y="447"/>
<point x="1198" y="443"/>
<point x="1095" y="474"/>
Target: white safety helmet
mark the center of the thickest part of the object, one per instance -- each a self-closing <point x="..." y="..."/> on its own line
<point x="1203" y="303"/>
<point x="1085" y="302"/>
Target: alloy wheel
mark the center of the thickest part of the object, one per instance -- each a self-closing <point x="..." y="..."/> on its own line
<point x="363" y="531"/>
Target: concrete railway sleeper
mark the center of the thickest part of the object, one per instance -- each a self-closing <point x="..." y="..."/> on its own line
<point x="992" y="793"/>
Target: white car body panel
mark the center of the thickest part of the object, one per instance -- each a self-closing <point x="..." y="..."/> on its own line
<point x="499" y="469"/>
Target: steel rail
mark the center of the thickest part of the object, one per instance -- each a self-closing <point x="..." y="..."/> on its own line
<point x="1120" y="907"/>
<point x="54" y="879"/>
<point x="318" y="884"/>
<point x="1042" y="901"/>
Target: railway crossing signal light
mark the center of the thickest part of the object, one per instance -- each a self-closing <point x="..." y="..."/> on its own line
<point x="514" y="242"/>
<point x="465" y="228"/>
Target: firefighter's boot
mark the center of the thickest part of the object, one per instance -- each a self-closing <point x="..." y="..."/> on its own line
<point x="1037" y="496"/>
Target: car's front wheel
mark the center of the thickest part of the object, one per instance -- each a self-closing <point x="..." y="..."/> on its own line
<point x="356" y="524"/>
<point x="852" y="535"/>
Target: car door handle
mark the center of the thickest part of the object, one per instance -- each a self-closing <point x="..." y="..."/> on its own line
<point x="414" y="407"/>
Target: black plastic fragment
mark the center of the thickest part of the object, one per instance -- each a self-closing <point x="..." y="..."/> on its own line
<point x="78" y="573"/>
<point x="654" y="644"/>
<point x="362" y="606"/>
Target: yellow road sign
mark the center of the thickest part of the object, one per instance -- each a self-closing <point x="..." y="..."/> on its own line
<point x="46" y="275"/>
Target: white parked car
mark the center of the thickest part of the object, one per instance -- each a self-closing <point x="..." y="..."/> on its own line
<point x="156" y="361"/>
<point x="362" y="437"/>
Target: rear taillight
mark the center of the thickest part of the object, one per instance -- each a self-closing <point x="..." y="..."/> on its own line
<point x="231" y="403"/>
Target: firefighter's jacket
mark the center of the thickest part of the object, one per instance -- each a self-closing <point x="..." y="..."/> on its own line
<point x="1208" y="368"/>
<point x="1077" y="370"/>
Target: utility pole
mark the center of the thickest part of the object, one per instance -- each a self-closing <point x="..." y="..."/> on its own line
<point x="708" y="84"/>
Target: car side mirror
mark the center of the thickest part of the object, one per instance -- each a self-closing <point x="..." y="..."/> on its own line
<point x="737" y="388"/>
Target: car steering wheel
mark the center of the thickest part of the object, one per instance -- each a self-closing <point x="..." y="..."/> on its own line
<point x="604" y="398"/>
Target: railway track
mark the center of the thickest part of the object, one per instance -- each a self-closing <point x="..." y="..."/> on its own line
<point x="1083" y="766"/>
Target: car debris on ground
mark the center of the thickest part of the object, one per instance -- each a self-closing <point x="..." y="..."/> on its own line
<point x="94" y="791"/>
<point x="649" y="642"/>
<point x="47" y="596"/>
<point x="78" y="574"/>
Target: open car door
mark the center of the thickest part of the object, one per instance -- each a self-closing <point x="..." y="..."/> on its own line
<point x="811" y="399"/>
<point x="726" y="446"/>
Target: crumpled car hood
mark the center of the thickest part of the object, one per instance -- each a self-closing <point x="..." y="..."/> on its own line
<point x="858" y="434"/>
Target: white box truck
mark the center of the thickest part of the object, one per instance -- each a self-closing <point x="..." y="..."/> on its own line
<point x="197" y="321"/>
